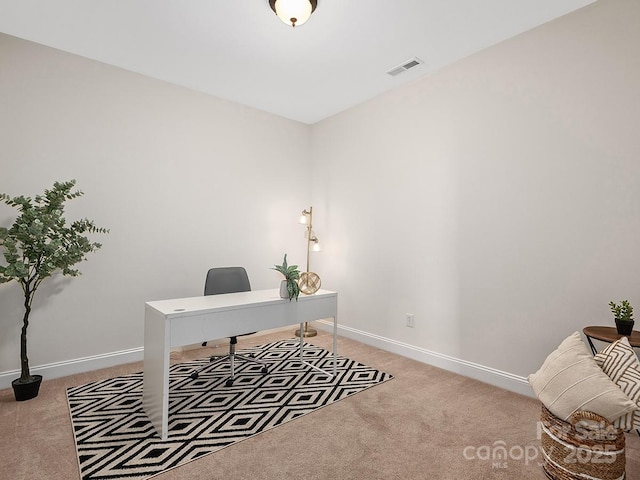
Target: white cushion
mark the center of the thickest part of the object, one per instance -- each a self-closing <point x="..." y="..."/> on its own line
<point x="621" y="364"/>
<point x="570" y="380"/>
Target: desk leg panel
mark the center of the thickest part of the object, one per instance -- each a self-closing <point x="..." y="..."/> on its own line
<point x="301" y="341"/>
<point x="335" y="344"/>
<point x="155" y="394"/>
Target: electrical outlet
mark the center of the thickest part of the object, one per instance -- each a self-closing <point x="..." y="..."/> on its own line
<point x="409" y="318"/>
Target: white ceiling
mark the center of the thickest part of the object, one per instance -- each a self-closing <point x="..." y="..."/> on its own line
<point x="240" y="51"/>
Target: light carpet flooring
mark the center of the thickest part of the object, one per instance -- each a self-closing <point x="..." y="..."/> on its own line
<point x="426" y="423"/>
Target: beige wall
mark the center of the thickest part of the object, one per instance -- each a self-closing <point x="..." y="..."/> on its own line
<point x="497" y="200"/>
<point x="183" y="180"/>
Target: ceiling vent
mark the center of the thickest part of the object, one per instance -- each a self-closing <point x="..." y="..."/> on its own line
<point x="414" y="62"/>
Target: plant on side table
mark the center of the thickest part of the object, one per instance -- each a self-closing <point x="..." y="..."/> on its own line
<point x="623" y="314"/>
<point x="37" y="245"/>
<point x="289" y="287"/>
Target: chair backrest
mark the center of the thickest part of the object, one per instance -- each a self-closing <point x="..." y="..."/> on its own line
<point x="226" y="280"/>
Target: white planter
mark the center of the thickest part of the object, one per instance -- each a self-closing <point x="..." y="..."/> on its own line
<point x="283" y="289"/>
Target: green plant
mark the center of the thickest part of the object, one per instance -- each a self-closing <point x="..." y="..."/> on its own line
<point x="40" y="243"/>
<point x="622" y="311"/>
<point x="291" y="275"/>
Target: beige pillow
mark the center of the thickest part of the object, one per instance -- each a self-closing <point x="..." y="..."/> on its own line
<point x="570" y="380"/>
<point x="621" y="364"/>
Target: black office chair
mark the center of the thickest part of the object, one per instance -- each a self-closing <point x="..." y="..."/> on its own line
<point x="229" y="280"/>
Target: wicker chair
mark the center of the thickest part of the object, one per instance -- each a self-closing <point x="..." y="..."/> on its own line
<point x="585" y="447"/>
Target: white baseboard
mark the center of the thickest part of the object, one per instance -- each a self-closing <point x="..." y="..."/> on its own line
<point x="78" y="365"/>
<point x="498" y="378"/>
<point x="87" y="364"/>
<point x="488" y="375"/>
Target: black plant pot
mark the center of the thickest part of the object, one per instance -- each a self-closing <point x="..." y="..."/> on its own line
<point x="624" y="327"/>
<point x="26" y="390"/>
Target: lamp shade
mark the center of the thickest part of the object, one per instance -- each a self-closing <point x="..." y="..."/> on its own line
<point x="293" y="12"/>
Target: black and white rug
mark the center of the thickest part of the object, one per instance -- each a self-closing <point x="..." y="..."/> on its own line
<point x="115" y="440"/>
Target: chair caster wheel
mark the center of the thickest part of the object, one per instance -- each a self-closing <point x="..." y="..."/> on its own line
<point x="265" y="370"/>
<point x="194" y="375"/>
<point x="229" y="383"/>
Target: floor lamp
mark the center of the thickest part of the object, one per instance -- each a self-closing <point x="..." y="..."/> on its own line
<point x="309" y="281"/>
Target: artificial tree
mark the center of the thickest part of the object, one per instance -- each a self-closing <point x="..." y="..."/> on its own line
<point x="39" y="244"/>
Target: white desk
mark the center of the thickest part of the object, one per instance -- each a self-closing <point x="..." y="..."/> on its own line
<point x="186" y="321"/>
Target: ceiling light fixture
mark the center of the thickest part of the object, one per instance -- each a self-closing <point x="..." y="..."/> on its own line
<point x="293" y="12"/>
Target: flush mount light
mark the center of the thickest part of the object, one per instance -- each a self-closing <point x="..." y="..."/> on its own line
<point x="293" y="12"/>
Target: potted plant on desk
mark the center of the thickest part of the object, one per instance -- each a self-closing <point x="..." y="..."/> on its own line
<point x="38" y="244"/>
<point x="289" y="287"/>
<point x="623" y="314"/>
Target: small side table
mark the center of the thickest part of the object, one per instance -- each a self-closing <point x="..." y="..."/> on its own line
<point x="609" y="335"/>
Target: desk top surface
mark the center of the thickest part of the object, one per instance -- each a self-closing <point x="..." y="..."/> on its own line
<point x="229" y="301"/>
<point x="610" y="334"/>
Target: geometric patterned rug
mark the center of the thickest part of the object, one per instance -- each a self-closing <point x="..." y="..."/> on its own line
<point x="115" y="440"/>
